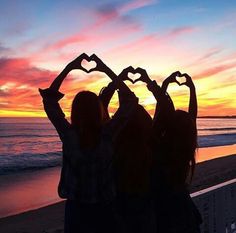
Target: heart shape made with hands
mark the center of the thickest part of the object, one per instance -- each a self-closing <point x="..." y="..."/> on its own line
<point x="88" y="64"/>
<point x="181" y="79"/>
<point x="133" y="76"/>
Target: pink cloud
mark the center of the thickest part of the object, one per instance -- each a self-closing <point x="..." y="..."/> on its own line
<point x="210" y="53"/>
<point x="19" y="70"/>
<point x="215" y="70"/>
<point x="20" y="82"/>
<point x="216" y="109"/>
<point x="179" y="31"/>
<point x="135" y="5"/>
<point x="102" y="30"/>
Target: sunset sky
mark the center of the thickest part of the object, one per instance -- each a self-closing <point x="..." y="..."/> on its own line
<point x="38" y="38"/>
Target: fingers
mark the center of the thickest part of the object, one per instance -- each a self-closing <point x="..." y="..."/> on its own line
<point x="176" y="73"/>
<point x="141" y="70"/>
<point x="94" y="56"/>
<point x="82" y="56"/>
<point x="138" y="80"/>
<point x="129" y="69"/>
<point x="186" y="76"/>
<point x="128" y="79"/>
<point x="91" y="70"/>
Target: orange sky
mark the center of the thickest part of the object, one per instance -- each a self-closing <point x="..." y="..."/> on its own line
<point x="151" y="34"/>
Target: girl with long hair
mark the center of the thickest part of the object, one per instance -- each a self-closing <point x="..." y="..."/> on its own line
<point x="174" y="142"/>
<point x="132" y="165"/>
<point x="86" y="180"/>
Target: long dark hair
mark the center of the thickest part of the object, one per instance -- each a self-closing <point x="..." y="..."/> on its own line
<point x="133" y="154"/>
<point x="182" y="136"/>
<point x="87" y="118"/>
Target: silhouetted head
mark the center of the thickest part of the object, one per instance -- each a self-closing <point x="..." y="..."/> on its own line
<point x="184" y="131"/>
<point x="182" y="134"/>
<point x="87" y="117"/>
<point x="132" y="153"/>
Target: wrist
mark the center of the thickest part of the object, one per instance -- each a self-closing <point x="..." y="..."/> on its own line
<point x="68" y="68"/>
<point x="164" y="85"/>
<point x="192" y="87"/>
<point x="148" y="81"/>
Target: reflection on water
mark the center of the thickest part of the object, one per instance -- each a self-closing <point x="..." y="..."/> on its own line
<point x="33" y="143"/>
<point x="209" y="153"/>
<point x="29" y="190"/>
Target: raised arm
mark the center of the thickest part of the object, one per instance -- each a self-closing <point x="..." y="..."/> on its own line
<point x="51" y="97"/>
<point x="117" y="82"/>
<point x="164" y="106"/>
<point x="75" y="64"/>
<point x="105" y="96"/>
<point x="127" y="100"/>
<point x="192" y="109"/>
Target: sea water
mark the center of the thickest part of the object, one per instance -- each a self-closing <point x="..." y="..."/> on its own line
<point x="33" y="143"/>
<point x="29" y="144"/>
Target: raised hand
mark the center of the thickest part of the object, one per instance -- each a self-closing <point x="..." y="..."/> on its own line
<point x="124" y="74"/>
<point x="144" y="76"/>
<point x="172" y="78"/>
<point x="76" y="63"/>
<point x="188" y="82"/>
<point x="100" y="64"/>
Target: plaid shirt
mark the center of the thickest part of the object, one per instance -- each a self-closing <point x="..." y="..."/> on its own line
<point x="87" y="174"/>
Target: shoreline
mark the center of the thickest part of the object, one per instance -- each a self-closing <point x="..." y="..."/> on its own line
<point x="28" y="190"/>
<point x="48" y="217"/>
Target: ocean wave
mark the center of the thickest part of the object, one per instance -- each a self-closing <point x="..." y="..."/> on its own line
<point x="217" y="129"/>
<point x="24" y="123"/>
<point x="25" y="161"/>
<point x="217" y="140"/>
<point x="27" y="129"/>
<point x="29" y="135"/>
<point x="18" y="162"/>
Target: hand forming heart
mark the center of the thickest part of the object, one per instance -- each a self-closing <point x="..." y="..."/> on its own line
<point x="134" y="75"/>
<point x="88" y="64"/>
<point x="184" y="79"/>
<point x="181" y="79"/>
<point x="85" y="63"/>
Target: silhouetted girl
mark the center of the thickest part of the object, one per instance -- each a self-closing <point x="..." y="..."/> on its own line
<point x="86" y="180"/>
<point x="132" y="163"/>
<point x="174" y="144"/>
<point x="132" y="169"/>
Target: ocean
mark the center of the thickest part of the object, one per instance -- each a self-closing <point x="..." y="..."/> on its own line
<point x="33" y="143"/>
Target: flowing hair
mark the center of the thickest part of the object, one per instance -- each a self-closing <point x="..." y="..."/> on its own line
<point x="182" y="146"/>
<point x="87" y="118"/>
<point x="133" y="155"/>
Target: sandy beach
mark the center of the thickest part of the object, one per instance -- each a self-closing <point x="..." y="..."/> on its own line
<point x="49" y="219"/>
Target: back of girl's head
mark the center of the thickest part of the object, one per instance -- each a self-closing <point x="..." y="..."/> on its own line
<point x="133" y="153"/>
<point x="137" y="129"/>
<point x="86" y="110"/>
<point x="184" y="131"/>
<point x="183" y="143"/>
<point x="87" y="114"/>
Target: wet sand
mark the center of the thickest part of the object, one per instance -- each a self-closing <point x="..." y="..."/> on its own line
<point x="50" y="219"/>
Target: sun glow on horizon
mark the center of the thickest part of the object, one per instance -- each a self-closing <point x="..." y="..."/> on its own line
<point x="160" y="36"/>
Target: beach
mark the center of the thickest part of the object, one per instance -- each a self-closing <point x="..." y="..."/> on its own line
<point x="50" y="219"/>
<point x="30" y="170"/>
